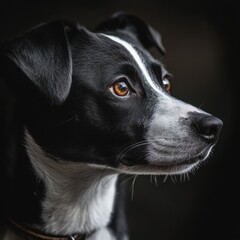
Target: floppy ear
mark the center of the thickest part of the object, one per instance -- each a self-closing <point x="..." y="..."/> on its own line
<point x="43" y="55"/>
<point x="148" y="36"/>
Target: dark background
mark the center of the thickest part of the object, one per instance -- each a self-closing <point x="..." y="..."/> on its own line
<point x="202" y="41"/>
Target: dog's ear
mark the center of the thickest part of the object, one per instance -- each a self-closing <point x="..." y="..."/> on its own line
<point x="43" y="55"/>
<point x="147" y="35"/>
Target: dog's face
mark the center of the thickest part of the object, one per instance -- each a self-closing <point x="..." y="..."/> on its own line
<point x="106" y="101"/>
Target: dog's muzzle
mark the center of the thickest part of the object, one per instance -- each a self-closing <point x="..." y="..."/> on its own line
<point x="178" y="138"/>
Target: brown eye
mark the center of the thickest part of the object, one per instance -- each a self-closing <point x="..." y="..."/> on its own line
<point x="166" y="85"/>
<point x="121" y="89"/>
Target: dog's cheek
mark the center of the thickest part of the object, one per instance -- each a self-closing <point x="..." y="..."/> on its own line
<point x="93" y="113"/>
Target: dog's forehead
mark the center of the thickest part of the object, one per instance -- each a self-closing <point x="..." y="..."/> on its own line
<point x="142" y="62"/>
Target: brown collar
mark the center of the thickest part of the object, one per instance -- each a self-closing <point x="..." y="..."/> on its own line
<point x="30" y="234"/>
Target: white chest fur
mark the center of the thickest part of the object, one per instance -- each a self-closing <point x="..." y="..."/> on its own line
<point x="79" y="197"/>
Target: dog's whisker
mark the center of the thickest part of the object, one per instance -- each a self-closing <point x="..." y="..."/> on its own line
<point x="175" y="177"/>
<point x="165" y="178"/>
<point x="201" y="105"/>
<point x="181" y="177"/>
<point x="63" y="122"/>
<point x="127" y="179"/>
<point x="172" y="179"/>
<point x="138" y="144"/>
<point x="184" y="177"/>
<point x="155" y="180"/>
<point x="131" y="147"/>
<point x="132" y="186"/>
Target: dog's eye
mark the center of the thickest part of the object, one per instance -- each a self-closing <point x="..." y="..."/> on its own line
<point x="166" y="85"/>
<point x="120" y="88"/>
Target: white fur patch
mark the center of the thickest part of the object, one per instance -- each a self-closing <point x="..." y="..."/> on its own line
<point x="79" y="198"/>
<point x="139" y="61"/>
<point x="102" y="234"/>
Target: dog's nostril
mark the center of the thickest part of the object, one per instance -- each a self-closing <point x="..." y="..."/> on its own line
<point x="209" y="127"/>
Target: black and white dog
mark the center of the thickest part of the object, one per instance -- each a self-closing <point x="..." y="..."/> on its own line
<point x="77" y="109"/>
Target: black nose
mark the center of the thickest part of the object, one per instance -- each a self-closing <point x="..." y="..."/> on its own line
<point x="207" y="126"/>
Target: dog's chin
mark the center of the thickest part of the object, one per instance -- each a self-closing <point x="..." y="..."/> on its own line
<point x="151" y="169"/>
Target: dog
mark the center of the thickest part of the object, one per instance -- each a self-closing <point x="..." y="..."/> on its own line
<point x="79" y="108"/>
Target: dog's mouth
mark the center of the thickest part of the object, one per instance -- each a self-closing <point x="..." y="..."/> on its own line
<point x="163" y="167"/>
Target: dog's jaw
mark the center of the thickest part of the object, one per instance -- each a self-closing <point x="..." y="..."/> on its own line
<point x="79" y="198"/>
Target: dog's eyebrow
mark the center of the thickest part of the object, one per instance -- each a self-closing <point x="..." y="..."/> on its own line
<point x="137" y="59"/>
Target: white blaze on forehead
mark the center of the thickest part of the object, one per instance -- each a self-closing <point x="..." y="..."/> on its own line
<point x="137" y="59"/>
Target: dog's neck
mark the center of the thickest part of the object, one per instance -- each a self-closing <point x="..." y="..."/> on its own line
<point x="79" y="198"/>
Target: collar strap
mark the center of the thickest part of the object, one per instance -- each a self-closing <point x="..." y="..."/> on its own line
<point x="30" y="234"/>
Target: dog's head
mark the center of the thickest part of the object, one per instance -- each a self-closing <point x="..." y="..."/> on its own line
<point x="100" y="98"/>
